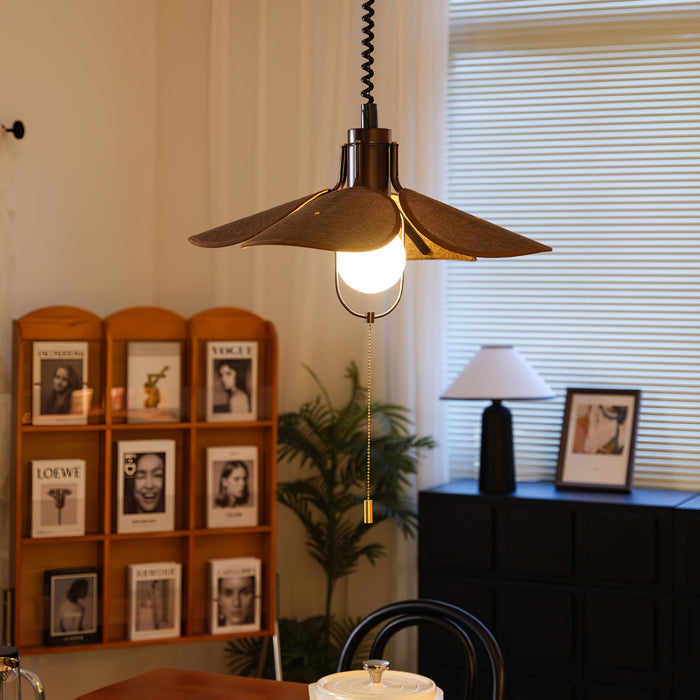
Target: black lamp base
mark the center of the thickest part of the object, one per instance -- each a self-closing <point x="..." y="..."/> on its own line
<point x="497" y="474"/>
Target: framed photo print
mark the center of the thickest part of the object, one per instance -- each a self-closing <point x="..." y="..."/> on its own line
<point x="598" y="439"/>
<point x="154" y="592"/>
<point x="232" y="486"/>
<point x="153" y="382"/>
<point x="145" y="485"/>
<point x="232" y="380"/>
<point x="58" y="497"/>
<point x="234" y="595"/>
<point x="72" y="597"/>
<point x="59" y="378"/>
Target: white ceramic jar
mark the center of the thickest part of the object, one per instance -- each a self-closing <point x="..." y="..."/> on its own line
<point x="375" y="681"/>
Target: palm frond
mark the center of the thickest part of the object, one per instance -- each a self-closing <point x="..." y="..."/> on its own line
<point x="243" y="655"/>
<point x="358" y="393"/>
<point x="311" y="493"/>
<point x="320" y="385"/>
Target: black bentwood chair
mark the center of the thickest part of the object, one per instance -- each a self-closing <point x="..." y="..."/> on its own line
<point x="445" y="617"/>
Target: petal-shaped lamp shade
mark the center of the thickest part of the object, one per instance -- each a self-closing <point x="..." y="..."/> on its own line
<point x="243" y="229"/>
<point x="420" y="248"/>
<point x="450" y="233"/>
<point x="356" y="219"/>
<point x="351" y="220"/>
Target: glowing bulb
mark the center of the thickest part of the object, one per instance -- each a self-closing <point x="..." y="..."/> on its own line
<point x="374" y="271"/>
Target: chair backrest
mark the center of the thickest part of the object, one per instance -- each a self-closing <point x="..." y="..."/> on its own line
<point x="449" y="618"/>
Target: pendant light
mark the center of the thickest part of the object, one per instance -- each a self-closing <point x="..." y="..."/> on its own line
<point x="369" y="214"/>
<point x="368" y="208"/>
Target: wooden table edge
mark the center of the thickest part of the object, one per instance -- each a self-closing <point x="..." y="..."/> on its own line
<point x="172" y="684"/>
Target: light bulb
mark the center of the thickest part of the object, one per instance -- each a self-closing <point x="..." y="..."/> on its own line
<point x="373" y="271"/>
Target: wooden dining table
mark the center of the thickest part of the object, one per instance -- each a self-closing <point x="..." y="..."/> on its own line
<point x="176" y="684"/>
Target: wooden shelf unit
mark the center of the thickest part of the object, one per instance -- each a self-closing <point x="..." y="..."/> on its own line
<point x="191" y="542"/>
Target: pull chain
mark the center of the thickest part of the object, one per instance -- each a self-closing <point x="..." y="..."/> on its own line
<point x="369" y="516"/>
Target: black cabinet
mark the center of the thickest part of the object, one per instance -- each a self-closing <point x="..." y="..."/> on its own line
<point x="590" y="595"/>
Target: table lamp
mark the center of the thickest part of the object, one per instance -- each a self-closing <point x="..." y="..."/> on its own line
<point x="498" y="373"/>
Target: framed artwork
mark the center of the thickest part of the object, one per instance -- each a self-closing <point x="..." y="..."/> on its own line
<point x="598" y="439"/>
<point x="72" y="597"/>
<point x="145" y="485"/>
<point x="232" y="486"/>
<point x="153" y="382"/>
<point x="232" y="380"/>
<point x="154" y="592"/>
<point x="234" y="595"/>
<point x="58" y="497"/>
<point x="59" y="378"/>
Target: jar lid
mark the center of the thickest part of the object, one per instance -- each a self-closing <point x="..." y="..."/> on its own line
<point x="9" y="652"/>
<point x="354" y="685"/>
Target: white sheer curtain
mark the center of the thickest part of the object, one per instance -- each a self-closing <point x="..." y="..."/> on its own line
<point x="285" y="87"/>
<point x="411" y="71"/>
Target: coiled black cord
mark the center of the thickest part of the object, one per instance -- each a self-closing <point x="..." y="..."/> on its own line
<point x="368" y="8"/>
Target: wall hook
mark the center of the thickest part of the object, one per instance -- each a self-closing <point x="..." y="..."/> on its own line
<point x="17" y="129"/>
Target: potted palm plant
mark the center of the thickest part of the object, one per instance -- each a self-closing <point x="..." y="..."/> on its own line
<point x="328" y="443"/>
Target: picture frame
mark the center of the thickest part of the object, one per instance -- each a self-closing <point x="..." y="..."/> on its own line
<point x="60" y="395"/>
<point x="72" y="606"/>
<point x="58" y="497"/>
<point x="153" y="375"/>
<point x="232" y="373"/>
<point x="145" y="476"/>
<point x="154" y="600"/>
<point x="232" y="486"/>
<point x="234" y="595"/>
<point x="598" y="437"/>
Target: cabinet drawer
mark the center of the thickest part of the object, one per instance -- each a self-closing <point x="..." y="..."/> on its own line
<point x="628" y="638"/>
<point x="627" y="546"/>
<point x="455" y="534"/>
<point x="687" y="650"/>
<point x="535" y="540"/>
<point x="688" y="546"/>
<point x="538" y="629"/>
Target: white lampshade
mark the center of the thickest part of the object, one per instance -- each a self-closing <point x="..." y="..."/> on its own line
<point x="498" y="372"/>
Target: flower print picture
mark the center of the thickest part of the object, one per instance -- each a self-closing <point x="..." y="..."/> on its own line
<point x="153" y="382"/>
<point x="58" y="497"/>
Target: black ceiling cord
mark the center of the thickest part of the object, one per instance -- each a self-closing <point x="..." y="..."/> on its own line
<point x="369" y="109"/>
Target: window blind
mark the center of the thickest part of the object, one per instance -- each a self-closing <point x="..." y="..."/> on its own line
<point x="578" y="124"/>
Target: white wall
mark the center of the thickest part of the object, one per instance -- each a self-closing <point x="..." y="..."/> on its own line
<point x="183" y="281"/>
<point x="79" y="187"/>
<point x="112" y="94"/>
<point x="96" y="204"/>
